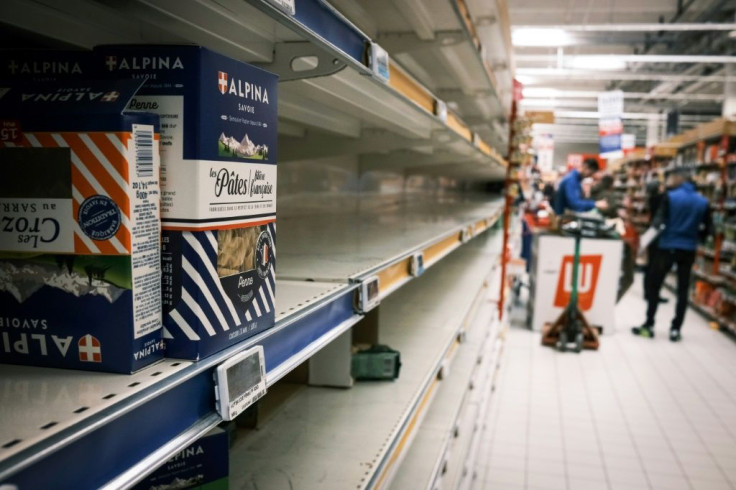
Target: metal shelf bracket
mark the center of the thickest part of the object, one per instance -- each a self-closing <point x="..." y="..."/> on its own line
<point x="301" y="60"/>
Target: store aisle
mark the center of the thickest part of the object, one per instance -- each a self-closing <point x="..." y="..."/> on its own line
<point x="639" y="413"/>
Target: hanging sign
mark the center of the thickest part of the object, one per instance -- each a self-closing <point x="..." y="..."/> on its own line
<point x="545" y="146"/>
<point x="610" y="123"/>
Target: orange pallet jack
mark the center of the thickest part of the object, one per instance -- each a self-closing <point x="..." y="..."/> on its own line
<point x="571" y="327"/>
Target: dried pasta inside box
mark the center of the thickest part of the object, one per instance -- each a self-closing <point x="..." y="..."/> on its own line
<point x="217" y="283"/>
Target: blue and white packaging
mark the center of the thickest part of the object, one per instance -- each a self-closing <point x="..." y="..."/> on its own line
<point x="45" y="65"/>
<point x="204" y="465"/>
<point x="218" y="159"/>
<point x="80" y="273"/>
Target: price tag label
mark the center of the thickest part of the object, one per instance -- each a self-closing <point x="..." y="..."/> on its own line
<point x="417" y="265"/>
<point x="440" y="110"/>
<point x="379" y="62"/>
<point x="368" y="295"/>
<point x="239" y="382"/>
<point x="466" y="235"/>
<point x="288" y="6"/>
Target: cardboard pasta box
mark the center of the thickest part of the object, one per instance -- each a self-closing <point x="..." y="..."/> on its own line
<point x="218" y="158"/>
<point x="80" y="272"/>
<point x="204" y="465"/>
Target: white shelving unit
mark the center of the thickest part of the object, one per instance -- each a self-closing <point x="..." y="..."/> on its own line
<point x="354" y="245"/>
<point x="368" y="428"/>
<point x="439" y="43"/>
<point x="448" y="438"/>
<point x="371" y="175"/>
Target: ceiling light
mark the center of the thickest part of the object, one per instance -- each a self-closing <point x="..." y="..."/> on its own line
<point x="606" y="62"/>
<point x="524" y="79"/>
<point x="541" y="37"/>
<point x="540" y="92"/>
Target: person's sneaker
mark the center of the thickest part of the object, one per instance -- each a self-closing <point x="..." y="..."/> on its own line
<point x="675" y="335"/>
<point x="643" y="331"/>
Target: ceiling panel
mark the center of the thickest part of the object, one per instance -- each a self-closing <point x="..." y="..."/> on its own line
<point x="690" y="96"/>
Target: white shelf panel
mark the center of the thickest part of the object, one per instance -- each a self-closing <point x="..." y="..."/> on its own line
<point x="359" y="427"/>
<point x="354" y="94"/>
<point x="436" y="443"/>
<point x="431" y="39"/>
<point x="333" y="246"/>
<point x="460" y="464"/>
<point x="294" y="296"/>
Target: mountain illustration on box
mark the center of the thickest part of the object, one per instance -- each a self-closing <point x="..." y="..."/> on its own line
<point x="22" y="280"/>
<point x="245" y="148"/>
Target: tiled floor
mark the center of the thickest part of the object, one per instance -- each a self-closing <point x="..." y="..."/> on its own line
<point x="638" y="414"/>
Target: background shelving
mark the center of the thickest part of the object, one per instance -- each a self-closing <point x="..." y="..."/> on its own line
<point x="709" y="150"/>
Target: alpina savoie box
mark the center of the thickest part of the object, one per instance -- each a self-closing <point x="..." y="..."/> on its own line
<point x="80" y="272"/>
<point x="204" y="465"/>
<point x="218" y="179"/>
<point x="45" y="65"/>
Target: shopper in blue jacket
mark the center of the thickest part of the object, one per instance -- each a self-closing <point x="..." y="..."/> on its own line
<point x="569" y="194"/>
<point x="684" y="218"/>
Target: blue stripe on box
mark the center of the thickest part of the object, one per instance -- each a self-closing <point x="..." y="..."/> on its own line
<point x="222" y="319"/>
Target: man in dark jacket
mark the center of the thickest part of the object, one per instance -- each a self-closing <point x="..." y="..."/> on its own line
<point x="684" y="217"/>
<point x="568" y="195"/>
<point x="655" y="194"/>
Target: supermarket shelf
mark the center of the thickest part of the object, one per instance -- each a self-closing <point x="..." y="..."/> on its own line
<point x="728" y="274"/>
<point x="695" y="167"/>
<point x="346" y="103"/>
<point x="709" y="252"/>
<point x="449" y="58"/>
<point x="708" y="312"/>
<point x="709" y="278"/>
<point x="422" y="322"/>
<point x="53" y="419"/>
<point x="708" y="131"/>
<point x="446" y="434"/>
<point x="309" y="315"/>
<point x="358" y="244"/>
<point x="438" y="42"/>
<point x="730" y="298"/>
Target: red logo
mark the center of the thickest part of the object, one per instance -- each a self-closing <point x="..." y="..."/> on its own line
<point x="110" y="96"/>
<point x="90" y="349"/>
<point x="222" y="81"/>
<point x="264" y="259"/>
<point x="590" y="267"/>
